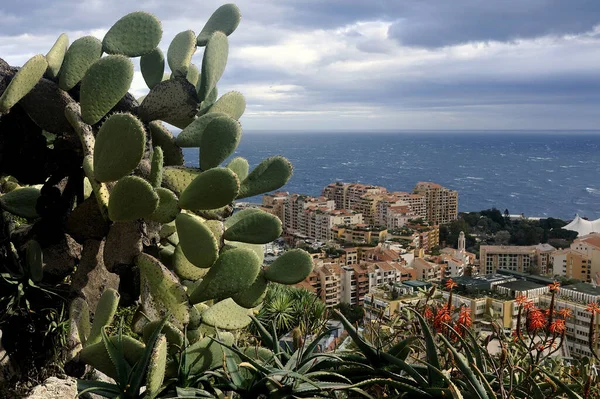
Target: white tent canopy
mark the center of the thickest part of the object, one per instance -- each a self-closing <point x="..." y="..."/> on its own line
<point x="583" y="227"/>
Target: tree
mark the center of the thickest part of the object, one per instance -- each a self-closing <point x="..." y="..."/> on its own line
<point x="502" y="237"/>
<point x="354" y="313"/>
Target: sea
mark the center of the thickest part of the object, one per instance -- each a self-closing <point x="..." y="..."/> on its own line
<point x="535" y="173"/>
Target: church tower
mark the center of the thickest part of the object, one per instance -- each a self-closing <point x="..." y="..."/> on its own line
<point x="461" y="242"/>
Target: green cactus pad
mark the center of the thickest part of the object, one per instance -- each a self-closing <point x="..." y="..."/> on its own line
<point x="207" y="354"/>
<point x="259" y="249"/>
<point x="227" y="315"/>
<point x="173" y="334"/>
<point x="225" y="19"/>
<point x="168" y="208"/>
<point x="164" y="287"/>
<point x="219" y="141"/>
<point x="105" y="312"/>
<point x="152" y="66"/>
<point x="193" y="74"/>
<point x="45" y="104"/>
<point x="166" y="254"/>
<point x="103" y="85"/>
<point x="254" y="228"/>
<point x="132" y="198"/>
<point x="79" y="316"/>
<point x="290" y="268"/>
<point x="56" y="55"/>
<point x="167" y="229"/>
<point x="216" y="227"/>
<point x="97" y="356"/>
<point x="253" y="295"/>
<point x="240" y="167"/>
<point x="193" y="335"/>
<point x="269" y="175"/>
<point x="213" y="63"/>
<point x="180" y="52"/>
<point x="23" y="82"/>
<point x="156" y="167"/>
<point x="163" y="138"/>
<point x="35" y="261"/>
<point x="135" y="34"/>
<point x="156" y="368"/>
<point x="171" y="101"/>
<point x="196" y="314"/>
<point x="212" y="189"/>
<point x="21" y="202"/>
<point x="232" y="104"/>
<point x="178" y="179"/>
<point x="234" y="271"/>
<point x="196" y="241"/>
<point x="186" y="269"/>
<point x="191" y="136"/>
<point x="119" y="147"/>
<point x="82" y="53"/>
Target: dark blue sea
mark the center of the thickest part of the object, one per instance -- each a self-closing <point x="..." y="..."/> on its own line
<point x="555" y="174"/>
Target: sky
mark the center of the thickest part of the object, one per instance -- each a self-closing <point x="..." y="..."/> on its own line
<point x="369" y="64"/>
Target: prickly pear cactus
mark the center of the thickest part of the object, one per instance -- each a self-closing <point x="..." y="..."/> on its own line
<point x="169" y="228"/>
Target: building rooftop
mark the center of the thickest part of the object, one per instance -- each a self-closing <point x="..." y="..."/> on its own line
<point x="521" y="285"/>
<point x="528" y="277"/>
<point x="417" y="284"/>
<point x="583" y="287"/>
<point x="507" y="249"/>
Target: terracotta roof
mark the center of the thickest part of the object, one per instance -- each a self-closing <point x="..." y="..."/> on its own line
<point x="591" y="239"/>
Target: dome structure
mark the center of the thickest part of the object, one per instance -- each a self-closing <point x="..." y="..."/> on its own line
<point x="583" y="227"/>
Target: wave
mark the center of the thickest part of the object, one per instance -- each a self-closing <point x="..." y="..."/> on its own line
<point x="592" y="190"/>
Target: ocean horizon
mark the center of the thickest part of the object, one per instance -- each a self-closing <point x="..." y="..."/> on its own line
<point x="540" y="173"/>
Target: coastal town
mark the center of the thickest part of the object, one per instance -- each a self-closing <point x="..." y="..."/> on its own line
<point x="378" y="249"/>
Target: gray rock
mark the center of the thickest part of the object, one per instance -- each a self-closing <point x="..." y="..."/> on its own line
<point x="123" y="244"/>
<point x="92" y="278"/>
<point x="60" y="259"/>
<point x="55" y="388"/>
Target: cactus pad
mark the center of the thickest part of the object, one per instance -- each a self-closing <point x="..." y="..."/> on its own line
<point x="153" y="67"/>
<point x="232" y="104"/>
<point x="196" y="240"/>
<point x="196" y="314"/>
<point x="168" y="208"/>
<point x="258" y="249"/>
<point x="45" y="104"/>
<point x="103" y="85"/>
<point x="171" y="101"/>
<point x="82" y="53"/>
<point x="119" y="147"/>
<point x="23" y="82"/>
<point x="227" y="315"/>
<point x="164" y="287"/>
<point x="225" y="19"/>
<point x="213" y="63"/>
<point x="161" y="136"/>
<point x="156" y="167"/>
<point x="193" y="74"/>
<point x="21" y="202"/>
<point x="235" y="270"/>
<point x="254" y="228"/>
<point x="56" y="55"/>
<point x="135" y="34"/>
<point x="207" y="354"/>
<point x="212" y="189"/>
<point x="269" y="175"/>
<point x="259" y="353"/>
<point x="156" y="368"/>
<point x="240" y="167"/>
<point x="253" y="295"/>
<point x="290" y="268"/>
<point x="79" y="317"/>
<point x="219" y="141"/>
<point x="105" y="312"/>
<point x="35" y="261"/>
<point x="132" y="198"/>
<point x="178" y="178"/>
<point x="173" y="334"/>
<point x="191" y="136"/>
<point x="180" y="53"/>
<point x="186" y="269"/>
<point x="97" y="356"/>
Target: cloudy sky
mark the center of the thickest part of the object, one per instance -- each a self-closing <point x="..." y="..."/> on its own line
<point x="371" y="64"/>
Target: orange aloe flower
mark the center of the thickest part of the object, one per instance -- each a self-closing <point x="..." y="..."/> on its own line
<point x="536" y="320"/>
<point x="521" y="299"/>
<point x="593" y="308"/>
<point x="464" y="317"/>
<point x="557" y="326"/>
<point x="554" y="287"/>
<point x="565" y="313"/>
<point x="451" y="284"/>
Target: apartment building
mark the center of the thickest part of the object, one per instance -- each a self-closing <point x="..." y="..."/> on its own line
<point x="275" y="203"/>
<point x="359" y="233"/>
<point x="571" y="264"/>
<point x="514" y="258"/>
<point x="441" y="203"/>
<point x="590" y="246"/>
<point x="355" y="283"/>
<point x="427" y="271"/>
